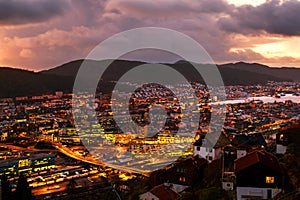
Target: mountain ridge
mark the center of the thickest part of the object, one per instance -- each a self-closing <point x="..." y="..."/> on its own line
<point x="20" y="82"/>
<point x="286" y="72"/>
<point x="252" y="67"/>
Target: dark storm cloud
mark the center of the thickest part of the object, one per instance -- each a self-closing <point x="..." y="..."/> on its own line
<point x="70" y="29"/>
<point x="271" y="17"/>
<point x="14" y="12"/>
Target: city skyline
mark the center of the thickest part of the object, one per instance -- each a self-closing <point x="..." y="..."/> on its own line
<point x="39" y="35"/>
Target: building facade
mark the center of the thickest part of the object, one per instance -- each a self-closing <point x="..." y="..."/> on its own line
<point x="29" y="164"/>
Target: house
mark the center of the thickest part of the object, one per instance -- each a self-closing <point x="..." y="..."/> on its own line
<point x="244" y="143"/>
<point x="258" y="176"/>
<point x="166" y="191"/>
<point x="186" y="172"/>
<point x="249" y="140"/>
<point x="205" y="149"/>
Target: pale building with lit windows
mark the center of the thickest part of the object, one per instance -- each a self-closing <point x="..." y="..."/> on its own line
<point x="281" y="143"/>
<point x="205" y="149"/>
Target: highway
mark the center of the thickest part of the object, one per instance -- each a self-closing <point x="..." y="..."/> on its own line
<point x="62" y="186"/>
<point x="68" y="152"/>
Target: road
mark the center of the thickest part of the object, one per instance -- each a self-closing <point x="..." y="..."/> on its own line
<point x="10" y="146"/>
<point x="62" y="186"/>
<point x="94" y="161"/>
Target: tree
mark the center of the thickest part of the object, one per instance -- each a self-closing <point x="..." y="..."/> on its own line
<point x="71" y="186"/>
<point x="23" y="191"/>
<point x="6" y="192"/>
<point x="213" y="194"/>
<point x="292" y="149"/>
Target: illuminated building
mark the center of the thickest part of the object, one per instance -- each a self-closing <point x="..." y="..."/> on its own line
<point x="7" y="154"/>
<point x="70" y="131"/>
<point x="75" y="140"/>
<point x="119" y="138"/>
<point x="28" y="164"/>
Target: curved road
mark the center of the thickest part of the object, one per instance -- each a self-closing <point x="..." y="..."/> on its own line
<point x="94" y="161"/>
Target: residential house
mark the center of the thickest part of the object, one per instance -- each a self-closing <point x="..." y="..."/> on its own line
<point x="258" y="176"/>
<point x="187" y="171"/>
<point x="243" y="143"/>
<point x="184" y="172"/>
<point x="205" y="149"/>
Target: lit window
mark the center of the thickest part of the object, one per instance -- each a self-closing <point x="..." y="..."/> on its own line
<point x="24" y="163"/>
<point x="270" y="179"/>
<point x="281" y="137"/>
<point x="182" y="179"/>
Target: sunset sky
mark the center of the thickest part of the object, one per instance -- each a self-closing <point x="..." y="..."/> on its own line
<point x="41" y="34"/>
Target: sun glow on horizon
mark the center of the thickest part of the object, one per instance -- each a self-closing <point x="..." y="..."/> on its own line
<point x="285" y="48"/>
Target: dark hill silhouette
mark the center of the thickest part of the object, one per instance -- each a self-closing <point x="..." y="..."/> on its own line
<point x="282" y="72"/>
<point x="232" y="74"/>
<point x="17" y="82"/>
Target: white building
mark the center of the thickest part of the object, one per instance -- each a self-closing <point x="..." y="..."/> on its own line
<point x="205" y="149"/>
<point x="281" y="143"/>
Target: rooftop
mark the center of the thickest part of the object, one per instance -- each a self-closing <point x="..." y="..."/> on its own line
<point x="255" y="157"/>
<point x="164" y="192"/>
